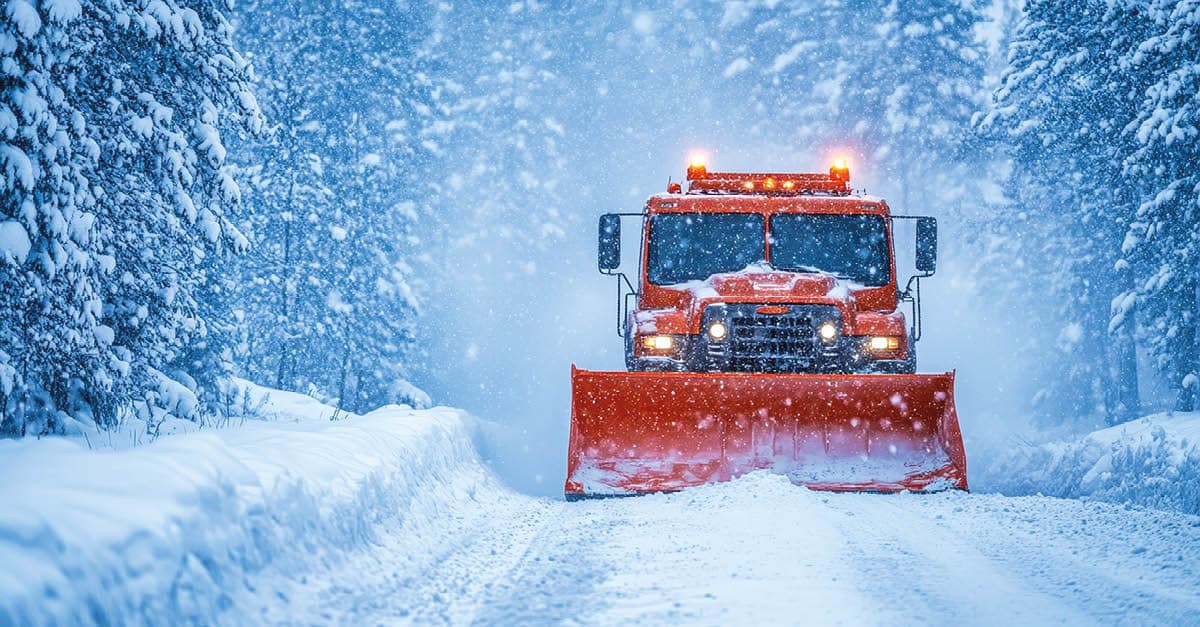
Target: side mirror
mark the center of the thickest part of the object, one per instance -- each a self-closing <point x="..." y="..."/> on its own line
<point x="610" y="242"/>
<point x="926" y="260"/>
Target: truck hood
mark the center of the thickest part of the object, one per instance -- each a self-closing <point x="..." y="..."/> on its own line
<point x="749" y="285"/>
<point x="678" y="308"/>
<point x="764" y="287"/>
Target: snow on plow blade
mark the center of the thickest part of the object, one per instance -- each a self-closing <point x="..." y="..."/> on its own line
<point x="635" y="432"/>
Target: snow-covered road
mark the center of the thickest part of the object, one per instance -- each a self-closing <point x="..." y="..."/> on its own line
<point x="393" y="518"/>
<point x="761" y="551"/>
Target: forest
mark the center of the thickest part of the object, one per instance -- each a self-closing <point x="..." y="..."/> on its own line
<point x="340" y="198"/>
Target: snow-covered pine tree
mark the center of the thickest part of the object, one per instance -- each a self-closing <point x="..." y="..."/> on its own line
<point x="791" y="64"/>
<point x="895" y="83"/>
<point x="118" y="109"/>
<point x="495" y="125"/>
<point x="919" y="86"/>
<point x="1061" y="106"/>
<point x="176" y="83"/>
<point x="281" y="296"/>
<point x="327" y="300"/>
<point x="496" y="211"/>
<point x="1163" y="242"/>
<point x="51" y="266"/>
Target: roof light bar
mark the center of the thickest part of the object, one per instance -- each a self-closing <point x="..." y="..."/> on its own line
<point x="836" y="183"/>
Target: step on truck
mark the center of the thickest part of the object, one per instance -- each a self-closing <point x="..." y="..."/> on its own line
<point x="765" y="329"/>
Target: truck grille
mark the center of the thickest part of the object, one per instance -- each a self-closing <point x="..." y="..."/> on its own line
<point x="775" y="342"/>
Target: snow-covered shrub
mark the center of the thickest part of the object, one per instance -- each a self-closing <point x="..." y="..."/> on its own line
<point x="1160" y="473"/>
<point x="1150" y="462"/>
<point x="411" y="395"/>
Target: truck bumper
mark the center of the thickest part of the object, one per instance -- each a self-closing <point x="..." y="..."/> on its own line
<point x="845" y="358"/>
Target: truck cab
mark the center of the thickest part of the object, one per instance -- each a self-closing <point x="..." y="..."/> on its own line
<point x="767" y="273"/>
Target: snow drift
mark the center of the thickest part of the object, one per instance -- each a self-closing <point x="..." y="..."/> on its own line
<point x="1153" y="461"/>
<point x="171" y="532"/>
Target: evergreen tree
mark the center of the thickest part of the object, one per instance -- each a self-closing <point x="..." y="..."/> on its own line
<point x="117" y="177"/>
<point x="895" y="83"/>
<point x="52" y="266"/>
<point x="327" y="299"/>
<point x="920" y="89"/>
<point x="1163" y="242"/>
<point x="1061" y="107"/>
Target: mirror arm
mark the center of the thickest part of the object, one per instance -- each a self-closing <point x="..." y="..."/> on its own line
<point x="907" y="292"/>
<point x="912" y="294"/>
<point x="625" y="313"/>
<point x="625" y="289"/>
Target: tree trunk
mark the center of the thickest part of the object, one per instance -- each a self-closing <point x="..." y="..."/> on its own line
<point x="285" y="274"/>
<point x="345" y="369"/>
<point x="1125" y="404"/>
<point x="1187" y="353"/>
<point x="1129" y="402"/>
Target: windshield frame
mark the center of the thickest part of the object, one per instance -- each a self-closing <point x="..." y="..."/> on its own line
<point x="767" y="215"/>
<point x="888" y="250"/>
<point x="764" y="250"/>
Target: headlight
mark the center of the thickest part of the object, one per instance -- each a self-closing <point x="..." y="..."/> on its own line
<point x="828" y="331"/>
<point x="717" y="330"/>
<point x="884" y="343"/>
<point x="658" y="342"/>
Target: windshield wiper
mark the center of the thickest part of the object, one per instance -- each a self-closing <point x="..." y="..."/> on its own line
<point x="816" y="270"/>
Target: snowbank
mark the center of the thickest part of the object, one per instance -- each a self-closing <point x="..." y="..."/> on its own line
<point x="1153" y="461"/>
<point x="170" y="532"/>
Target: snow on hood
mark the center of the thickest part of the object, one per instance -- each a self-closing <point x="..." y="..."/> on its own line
<point x="761" y="279"/>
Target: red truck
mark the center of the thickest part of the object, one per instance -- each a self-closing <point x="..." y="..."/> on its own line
<point x="765" y="331"/>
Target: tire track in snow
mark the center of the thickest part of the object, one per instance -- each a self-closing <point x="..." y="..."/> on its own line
<point x="752" y="552"/>
<point x="555" y="579"/>
<point x="431" y="569"/>
<point x="760" y="550"/>
<point x="934" y="574"/>
<point x="456" y="589"/>
<point x="1117" y="564"/>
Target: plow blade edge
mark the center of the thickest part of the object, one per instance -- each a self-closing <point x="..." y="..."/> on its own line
<point x="634" y="432"/>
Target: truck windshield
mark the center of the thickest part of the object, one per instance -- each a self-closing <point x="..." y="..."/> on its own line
<point x="694" y="246"/>
<point x="852" y="247"/>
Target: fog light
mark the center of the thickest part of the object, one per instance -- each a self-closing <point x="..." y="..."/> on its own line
<point x="658" y="342"/>
<point x="717" y="330"/>
<point x="882" y="343"/>
<point x="828" y="331"/>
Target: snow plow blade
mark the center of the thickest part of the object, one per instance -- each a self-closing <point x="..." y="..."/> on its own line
<point x="637" y="432"/>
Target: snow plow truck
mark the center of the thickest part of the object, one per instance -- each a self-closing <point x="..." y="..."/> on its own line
<point x="765" y="330"/>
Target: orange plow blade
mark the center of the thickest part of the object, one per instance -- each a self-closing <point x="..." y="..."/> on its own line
<point x="634" y="432"/>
